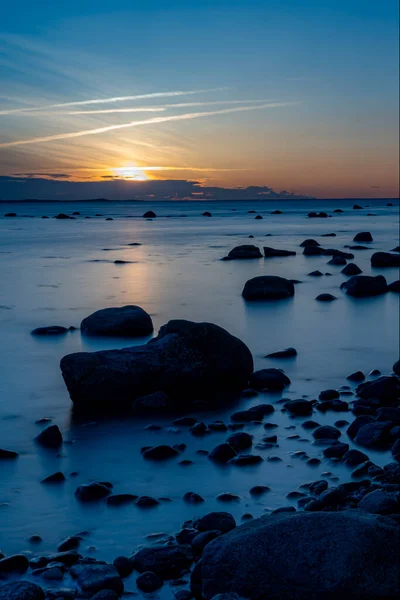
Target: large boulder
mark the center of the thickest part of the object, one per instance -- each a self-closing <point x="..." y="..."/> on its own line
<point x="126" y="321"/>
<point x="271" y="252"/>
<point x="94" y="577"/>
<point x="303" y="556"/>
<point x="364" y="285"/>
<point x="268" y="287"/>
<point x="165" y="561"/>
<point x="246" y="251"/>
<point x="385" y="259"/>
<point x="385" y="389"/>
<point x="186" y="360"/>
<point x="21" y="590"/>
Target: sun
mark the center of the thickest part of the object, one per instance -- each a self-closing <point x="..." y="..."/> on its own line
<point x="131" y="173"/>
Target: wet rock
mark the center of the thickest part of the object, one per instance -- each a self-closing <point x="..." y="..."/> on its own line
<point x="149" y="215"/>
<point x="328" y="235"/>
<point x="185" y="422"/>
<point x="328" y="395"/>
<point x="21" y="590"/>
<point x="193" y="498"/>
<point x="340" y="253"/>
<point x="219" y="521"/>
<point x="240" y="441"/>
<point x="124" y="321"/>
<point x="363" y="236"/>
<point x="374" y="435"/>
<point x="287" y="353"/>
<point x="396" y="368"/>
<point x="326" y="432"/>
<point x="245" y="251"/>
<point x="50" y="330"/>
<point x="91" y="492"/>
<point x="228" y="497"/>
<point x="357" y="376"/>
<point x="337" y="261"/>
<point x="70" y="543"/>
<point x="269" y="379"/>
<point x="55" y="478"/>
<point x="338" y="450"/>
<point x="310" y="424"/>
<point x="258" y="217"/>
<point x="394" y="286"/>
<point x="351" y="269"/>
<point x="207" y="214"/>
<point x="379" y="502"/>
<point x="165" y="561"/>
<point x="104" y="595"/>
<point x="325" y="298"/>
<point x="313" y="251"/>
<point x="272" y="252"/>
<point x="353" y="458"/>
<point x="50" y="437"/>
<point x="120" y="499"/>
<point x="244" y="460"/>
<point x="259" y="490"/>
<point x="222" y="453"/>
<point x="309" y="242"/>
<point x="255" y="413"/>
<point x="13" y="565"/>
<point x="112" y="379"/>
<point x="385" y="259"/>
<point x="146" y="502"/>
<point x="268" y="287"/>
<point x="199" y="429"/>
<point x="385" y="389"/>
<point x="313" y="462"/>
<point x="299" y="407"/>
<point x="200" y="541"/>
<point x="149" y="582"/>
<point x="276" y="212"/>
<point x="162" y="452"/>
<point x="364" y="285"/>
<point x="62" y="216"/>
<point x="95" y="577"/>
<point x="315" y="274"/>
<point x="357" y="207"/>
<point x="316" y="215"/>
<point x="8" y="454"/>
<point x="362" y="568"/>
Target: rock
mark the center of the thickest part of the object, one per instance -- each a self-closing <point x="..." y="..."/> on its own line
<point x="13" y="565"/>
<point x="336" y="252"/>
<point x="220" y="521"/>
<point x="123" y="565"/>
<point x="354" y="457"/>
<point x="338" y="450"/>
<point x="103" y="595"/>
<point x="259" y="490"/>
<point x="313" y="251"/>
<point x="146" y="502"/>
<point x="200" y="541"/>
<point x="8" y="454"/>
<point x="325" y="298"/>
<point x="276" y="212"/>
<point x="112" y="379"/>
<point x="328" y="395"/>
<point x="338" y="210"/>
<point x="162" y="452"/>
<point x="363" y="236"/>
<point x="315" y="215"/>
<point x="272" y="252"/>
<point x="374" y="435"/>
<point x="149" y="215"/>
<point x="120" y="499"/>
<point x="149" y="582"/>
<point x="337" y="261"/>
<point x="385" y="389"/>
<point x="240" y="441"/>
<point x="379" y="502"/>
<point x="309" y="242"/>
<point x="255" y="413"/>
<point x="246" y="251"/>
<point x="299" y="407"/>
<point x="287" y="353"/>
<point x="50" y="437"/>
<point x="357" y="376"/>
<point x="185" y="422"/>
<point x="21" y="590"/>
<point x="269" y="379"/>
<point x="95" y="577"/>
<point x="126" y="321"/>
<point x="55" y="478"/>
<point x="62" y="216"/>
<point x="91" y="492"/>
<point x="258" y="217"/>
<point x="310" y="425"/>
<point x="244" y="460"/>
<point x="326" y="432"/>
<point x="10" y="214"/>
<point x="394" y="286"/>
<point x="268" y="287"/>
<point x="70" y="543"/>
<point x="165" y="561"/>
<point x="50" y="330"/>
<point x="193" y="498"/>
<point x="207" y="214"/>
<point x="385" y="259"/>
<point x="329" y="234"/>
<point x="388" y="413"/>
<point x="356" y="425"/>
<point x="351" y="269"/>
<point x="346" y="551"/>
<point x="364" y="285"/>
<point x="315" y="274"/>
<point x="222" y="453"/>
<point x="357" y="207"/>
<point x="396" y="368"/>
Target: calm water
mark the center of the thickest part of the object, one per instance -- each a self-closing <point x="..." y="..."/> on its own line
<point x="57" y="272"/>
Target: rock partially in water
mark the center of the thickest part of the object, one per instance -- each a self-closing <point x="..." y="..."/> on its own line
<point x="384" y="389"/>
<point x="363" y="236"/>
<point x="21" y="590"/>
<point x="246" y="251"/>
<point x="268" y="287"/>
<point x="240" y="441"/>
<point x="50" y="437"/>
<point x="94" y="577"/>
<point x="124" y="321"/>
<point x="149" y="582"/>
<point x="222" y="453"/>
<point x="165" y="561"/>
<point x="162" y="452"/>
<point x="325" y="298"/>
<point x="220" y="521"/>
<point x="287" y="353"/>
<point x="364" y="286"/>
<point x="17" y="564"/>
<point x="385" y="259"/>
<point x="50" y="330"/>
<point x="316" y="215"/>
<point x="357" y="376"/>
<point x="299" y="407"/>
<point x="345" y="551"/>
<point x="271" y="252"/>
<point x="351" y="269"/>
<point x="309" y="242"/>
<point x="8" y="454"/>
<point x="149" y="215"/>
<point x="394" y="286"/>
<point x="269" y="379"/>
<point x="215" y="362"/>
<point x="91" y="492"/>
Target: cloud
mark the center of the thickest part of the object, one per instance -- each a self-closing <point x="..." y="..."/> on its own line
<point x="153" y="121"/>
<point x="49" y="175"/>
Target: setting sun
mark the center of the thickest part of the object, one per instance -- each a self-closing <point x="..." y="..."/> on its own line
<point x="134" y="173"/>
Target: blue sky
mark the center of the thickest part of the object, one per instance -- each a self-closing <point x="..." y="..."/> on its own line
<point x="318" y="80"/>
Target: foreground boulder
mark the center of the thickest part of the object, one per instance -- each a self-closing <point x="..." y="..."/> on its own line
<point x="126" y="321"/>
<point x="95" y="577"/>
<point x="185" y="358"/>
<point x="268" y="287"/>
<point x="364" y="285"/>
<point x="246" y="251"/>
<point x="305" y="556"/>
<point x="21" y="590"/>
<point x="385" y="259"/>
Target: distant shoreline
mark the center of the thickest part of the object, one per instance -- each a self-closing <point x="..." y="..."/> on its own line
<point x="195" y="201"/>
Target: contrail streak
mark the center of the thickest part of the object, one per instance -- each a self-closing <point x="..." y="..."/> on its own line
<point x="155" y="120"/>
<point x="107" y="100"/>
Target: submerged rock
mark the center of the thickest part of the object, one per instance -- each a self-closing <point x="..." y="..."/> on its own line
<point x="125" y="321"/>
<point x="268" y="287"/>
<point x="287" y="353"/>
<point x="346" y="553"/>
<point x="214" y="361"/>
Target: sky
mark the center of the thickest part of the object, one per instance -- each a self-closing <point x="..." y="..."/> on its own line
<point x="275" y="94"/>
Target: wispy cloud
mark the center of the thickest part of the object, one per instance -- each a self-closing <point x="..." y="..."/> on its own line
<point x="153" y="121"/>
<point x="110" y="100"/>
